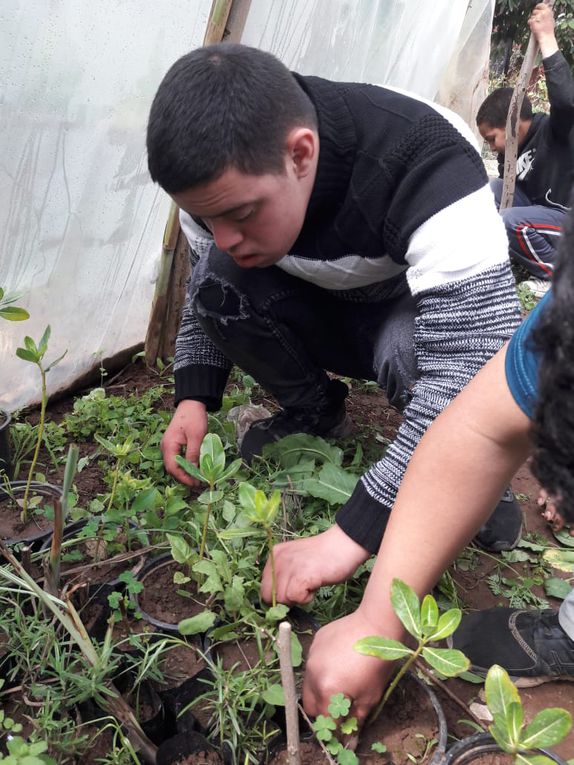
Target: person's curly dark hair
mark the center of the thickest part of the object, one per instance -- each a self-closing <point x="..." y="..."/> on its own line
<point x="553" y="434"/>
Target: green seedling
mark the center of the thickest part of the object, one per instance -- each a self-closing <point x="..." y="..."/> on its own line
<point x="122" y="603"/>
<point x="423" y="622"/>
<point x="11" y="312"/>
<point x="213" y="472"/>
<point x="121" y="452"/>
<point x="330" y="729"/>
<point x="35" y="355"/>
<point x="262" y="510"/>
<point x="21" y="752"/>
<point x="511" y="733"/>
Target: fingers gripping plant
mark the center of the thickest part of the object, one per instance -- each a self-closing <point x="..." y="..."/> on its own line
<point x="35" y="355"/>
<point x="261" y="510"/>
<point x="509" y="730"/>
<point x="426" y="626"/>
<point x="212" y="471"/>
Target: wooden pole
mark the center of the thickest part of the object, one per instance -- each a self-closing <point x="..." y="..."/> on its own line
<point x="225" y="23"/>
<point x="512" y="121"/>
<point x="288" y="683"/>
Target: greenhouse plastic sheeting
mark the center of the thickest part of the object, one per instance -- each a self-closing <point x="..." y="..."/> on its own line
<point x="81" y="223"/>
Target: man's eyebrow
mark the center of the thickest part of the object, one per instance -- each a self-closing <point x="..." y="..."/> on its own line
<point x="232" y="210"/>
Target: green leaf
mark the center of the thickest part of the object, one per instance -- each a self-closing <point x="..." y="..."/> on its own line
<point x="350" y="725"/>
<point x="347" y="757"/>
<point x="500" y="691"/>
<point x="246" y="495"/>
<point x="323" y="727"/>
<point x="296" y="651"/>
<point x="43" y="344"/>
<point x="514" y="720"/>
<point x="209" y="497"/>
<point x="25" y="355"/>
<point x="212" y="457"/>
<point x="190" y="468"/>
<point x="563" y="560"/>
<point x="547" y="728"/>
<point x="274" y="695"/>
<point x="198" y="623"/>
<point x="291" y="449"/>
<point x="447" y="661"/>
<point x="333" y="484"/>
<point x="499" y="733"/>
<point x="12" y="313"/>
<point x="378" y="747"/>
<point x="406" y="606"/>
<point x="564" y="537"/>
<point x="339" y="706"/>
<point x="383" y="648"/>
<point x="52" y="364"/>
<point x="231" y="470"/>
<point x="429" y="615"/>
<point x="534" y="759"/>
<point x="447" y="624"/>
<point x="555" y="587"/>
<point x="276" y="613"/>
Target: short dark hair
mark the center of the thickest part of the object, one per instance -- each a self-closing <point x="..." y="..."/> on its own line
<point x="554" y="418"/>
<point x="220" y="106"/>
<point x="494" y="108"/>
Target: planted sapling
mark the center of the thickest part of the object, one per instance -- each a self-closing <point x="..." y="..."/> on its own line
<point x="511" y="733"/>
<point x="213" y="472"/>
<point x="35" y="355"/>
<point x="262" y="510"/>
<point x="426" y="626"/>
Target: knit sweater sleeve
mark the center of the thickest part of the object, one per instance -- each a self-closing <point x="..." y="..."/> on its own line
<point x="467" y="307"/>
<point x="200" y="369"/>
<point x="560" y="85"/>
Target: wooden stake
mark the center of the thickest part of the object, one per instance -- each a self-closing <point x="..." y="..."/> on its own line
<point x="288" y="682"/>
<point x="511" y="143"/>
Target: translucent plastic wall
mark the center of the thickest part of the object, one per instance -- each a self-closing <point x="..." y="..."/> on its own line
<point x="80" y="222"/>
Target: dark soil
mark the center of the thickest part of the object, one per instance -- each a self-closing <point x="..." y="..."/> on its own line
<point x="311" y="754"/>
<point x="160" y="597"/>
<point x="179" y="664"/>
<point x="241" y="654"/>
<point x="12" y="528"/>
<point x="201" y="758"/>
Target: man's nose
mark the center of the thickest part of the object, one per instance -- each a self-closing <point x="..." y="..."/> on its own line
<point x="226" y="235"/>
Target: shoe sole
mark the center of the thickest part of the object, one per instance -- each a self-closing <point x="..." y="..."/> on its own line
<point x="518" y="680"/>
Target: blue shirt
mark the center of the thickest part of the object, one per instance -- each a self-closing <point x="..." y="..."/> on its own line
<point x="522" y="361"/>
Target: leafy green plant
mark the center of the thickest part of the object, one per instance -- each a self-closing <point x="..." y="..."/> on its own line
<point x="34" y="353"/>
<point x="212" y="471"/>
<point x="22" y="752"/>
<point x="511" y="733"/>
<point x="332" y="727"/>
<point x="123" y="603"/>
<point x="11" y="312"/>
<point x="425" y="624"/>
<point x="262" y="510"/>
<point x="121" y="453"/>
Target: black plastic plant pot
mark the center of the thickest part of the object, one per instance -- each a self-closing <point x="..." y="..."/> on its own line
<point x="5" y="453"/>
<point x="188" y="748"/>
<point x="150" y="570"/>
<point x="32" y="534"/>
<point x="179" y="702"/>
<point x="471" y="749"/>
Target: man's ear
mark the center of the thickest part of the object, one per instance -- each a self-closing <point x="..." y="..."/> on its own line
<point x="302" y="150"/>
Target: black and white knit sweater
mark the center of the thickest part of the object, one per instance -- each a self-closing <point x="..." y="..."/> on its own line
<point x="400" y="188"/>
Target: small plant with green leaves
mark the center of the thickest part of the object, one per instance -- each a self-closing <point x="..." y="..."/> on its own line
<point x="330" y="729"/>
<point x="34" y="353"/>
<point x="425" y="624"/>
<point x="121" y="453"/>
<point x="509" y="730"/>
<point x="11" y="312"/>
<point x="122" y="604"/>
<point x="213" y="471"/>
<point x="262" y="511"/>
<point x="22" y="752"/>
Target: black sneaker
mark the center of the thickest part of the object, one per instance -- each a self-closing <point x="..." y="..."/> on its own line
<point x="329" y="420"/>
<point x="530" y="645"/>
<point x="503" y="529"/>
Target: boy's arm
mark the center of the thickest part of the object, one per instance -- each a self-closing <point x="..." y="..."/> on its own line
<point x="455" y="477"/>
<point x="559" y="80"/>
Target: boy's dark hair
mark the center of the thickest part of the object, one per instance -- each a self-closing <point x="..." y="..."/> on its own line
<point x="222" y="106"/>
<point x="494" y="108"/>
<point x="554" y="419"/>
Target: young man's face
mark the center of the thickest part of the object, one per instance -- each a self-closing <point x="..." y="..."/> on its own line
<point x="494" y="137"/>
<point x="254" y="218"/>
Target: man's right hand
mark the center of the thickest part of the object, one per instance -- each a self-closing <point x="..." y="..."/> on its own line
<point x="304" y="565"/>
<point x="183" y="436"/>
